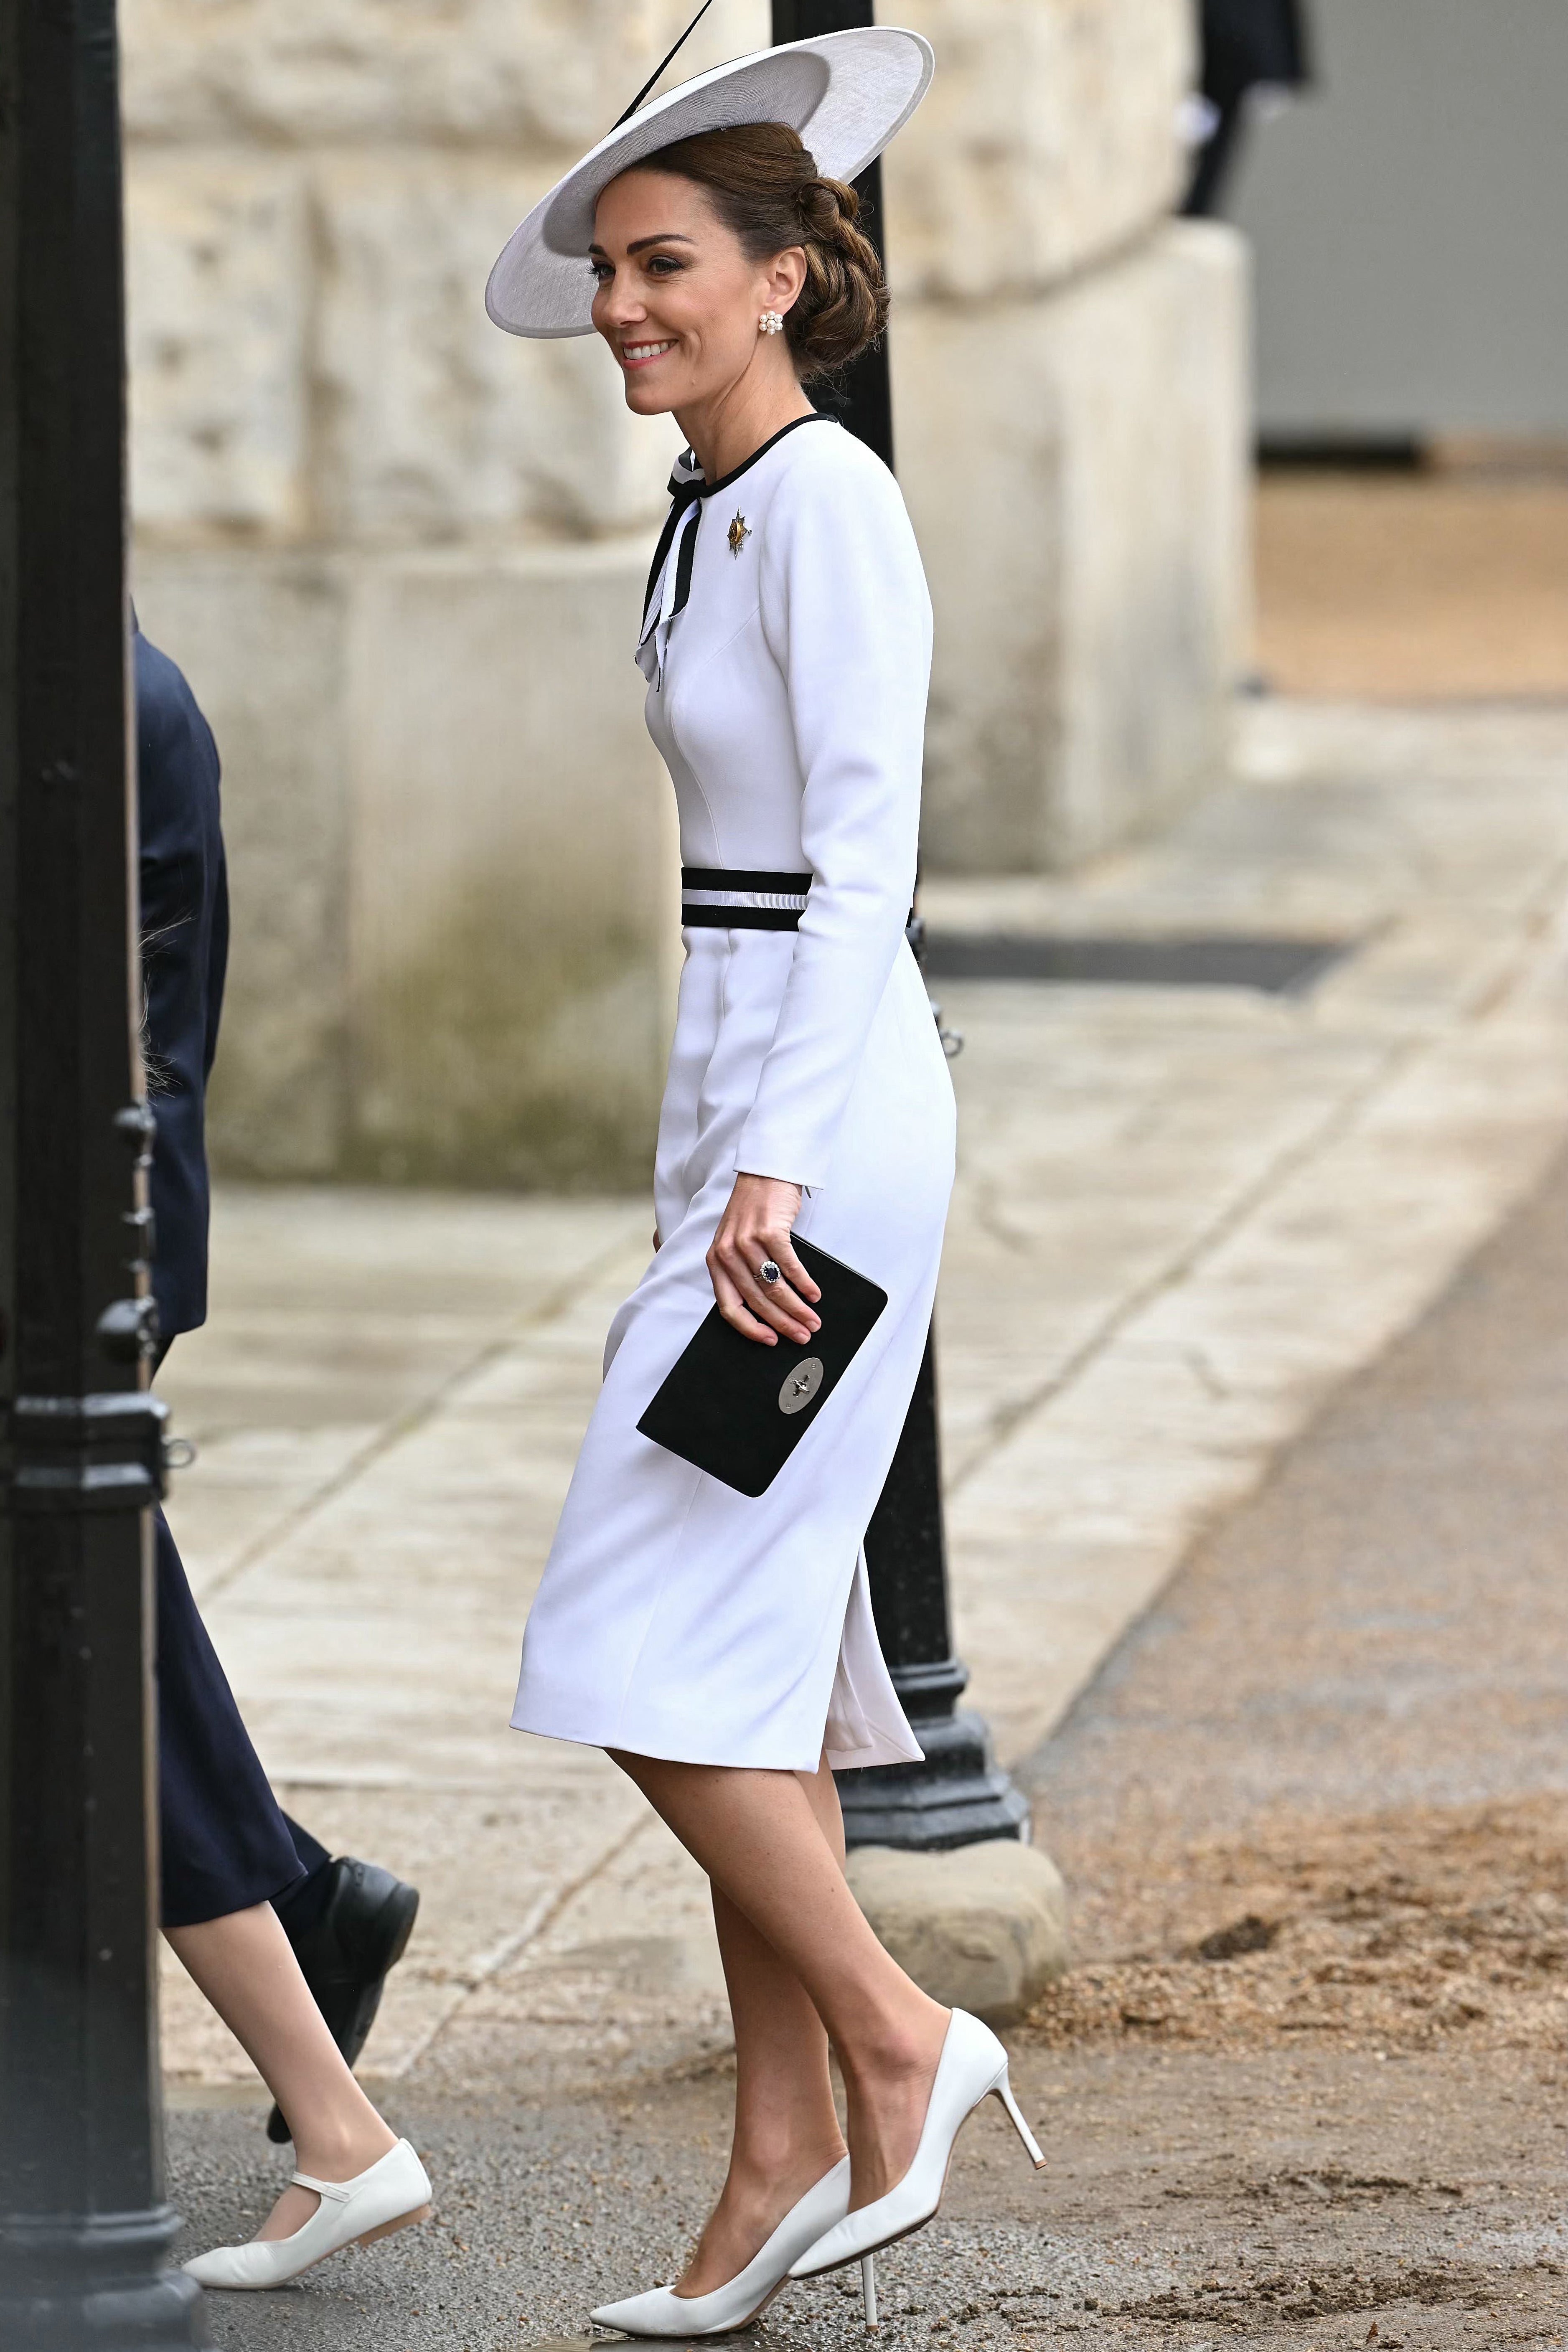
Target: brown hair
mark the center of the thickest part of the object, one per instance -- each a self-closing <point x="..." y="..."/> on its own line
<point x="767" y="191"/>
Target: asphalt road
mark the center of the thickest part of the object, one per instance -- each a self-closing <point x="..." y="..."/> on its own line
<point x="1307" y="2087"/>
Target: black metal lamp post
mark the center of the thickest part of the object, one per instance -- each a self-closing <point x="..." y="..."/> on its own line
<point x="958" y="1796"/>
<point x="84" y="2227"/>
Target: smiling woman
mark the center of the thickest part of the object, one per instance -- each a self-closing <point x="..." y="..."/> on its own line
<point x="720" y="1645"/>
<point x="727" y="271"/>
<point x="762" y="187"/>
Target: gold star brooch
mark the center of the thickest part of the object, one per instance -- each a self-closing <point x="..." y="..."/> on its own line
<point x="739" y="534"/>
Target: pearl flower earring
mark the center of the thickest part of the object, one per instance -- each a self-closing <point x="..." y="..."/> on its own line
<point x="770" y="324"/>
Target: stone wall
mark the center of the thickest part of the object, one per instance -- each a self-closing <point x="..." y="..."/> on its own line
<point x="1071" y="383"/>
<point x="1047" y="140"/>
<point x="400" y="554"/>
<point x="1090" y="593"/>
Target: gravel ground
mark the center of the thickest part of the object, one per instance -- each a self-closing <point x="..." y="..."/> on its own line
<point x="1406" y="587"/>
<point x="1305" y="2087"/>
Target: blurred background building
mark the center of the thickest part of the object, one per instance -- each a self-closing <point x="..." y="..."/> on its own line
<point x="400" y="554"/>
<point x="1410" y="223"/>
<point x="1408" y="219"/>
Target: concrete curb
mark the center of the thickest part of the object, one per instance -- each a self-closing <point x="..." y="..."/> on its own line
<point x="982" y="1928"/>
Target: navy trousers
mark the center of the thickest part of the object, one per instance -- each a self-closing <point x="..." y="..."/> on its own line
<point x="226" y="1842"/>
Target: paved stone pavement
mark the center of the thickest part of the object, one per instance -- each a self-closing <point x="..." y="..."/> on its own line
<point x="1304" y="2091"/>
<point x="1182" y="1218"/>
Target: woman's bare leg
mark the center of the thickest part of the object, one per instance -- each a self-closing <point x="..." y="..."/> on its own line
<point x="787" y="2126"/>
<point x="759" y="1839"/>
<point x="245" y="1966"/>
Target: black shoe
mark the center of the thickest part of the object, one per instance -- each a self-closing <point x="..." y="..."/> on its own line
<point x="346" y="1953"/>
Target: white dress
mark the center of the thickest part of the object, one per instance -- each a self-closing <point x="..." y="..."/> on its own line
<point x="788" y="659"/>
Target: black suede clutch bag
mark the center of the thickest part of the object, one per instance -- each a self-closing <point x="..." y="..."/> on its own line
<point x="737" y="1408"/>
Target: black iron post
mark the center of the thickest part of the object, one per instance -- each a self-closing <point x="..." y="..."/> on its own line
<point x="958" y="1796"/>
<point x="84" y="2227"/>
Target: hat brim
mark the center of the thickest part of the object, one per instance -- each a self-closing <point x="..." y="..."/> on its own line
<point x="846" y="93"/>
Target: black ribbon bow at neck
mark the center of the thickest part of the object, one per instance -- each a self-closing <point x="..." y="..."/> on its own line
<point x="686" y="488"/>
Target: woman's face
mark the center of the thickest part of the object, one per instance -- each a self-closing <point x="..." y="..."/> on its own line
<point x="677" y="300"/>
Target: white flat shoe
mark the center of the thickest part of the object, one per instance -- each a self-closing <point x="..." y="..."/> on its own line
<point x="973" y="2066"/>
<point x="661" y="2312"/>
<point x="393" y="2193"/>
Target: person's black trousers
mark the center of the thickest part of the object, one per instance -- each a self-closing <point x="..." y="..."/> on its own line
<point x="1226" y="86"/>
<point x="226" y="1842"/>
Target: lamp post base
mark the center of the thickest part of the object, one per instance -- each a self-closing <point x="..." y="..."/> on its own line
<point x="958" y="1796"/>
<point x="68" y="2286"/>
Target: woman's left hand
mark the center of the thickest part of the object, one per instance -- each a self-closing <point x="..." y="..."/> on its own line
<point x="754" y="1230"/>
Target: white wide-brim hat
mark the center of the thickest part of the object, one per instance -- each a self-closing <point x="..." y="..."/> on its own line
<point x="846" y="93"/>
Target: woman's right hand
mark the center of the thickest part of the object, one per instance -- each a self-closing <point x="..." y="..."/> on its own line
<point x="754" y="1230"/>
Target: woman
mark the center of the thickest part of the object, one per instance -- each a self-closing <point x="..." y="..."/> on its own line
<point x="721" y="1648"/>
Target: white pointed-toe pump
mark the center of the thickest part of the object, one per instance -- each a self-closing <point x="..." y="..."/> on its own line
<point x="661" y="2312"/>
<point x="973" y="2066"/>
<point x="394" y="2192"/>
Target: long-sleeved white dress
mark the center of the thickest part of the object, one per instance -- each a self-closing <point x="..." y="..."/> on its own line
<point x="788" y="657"/>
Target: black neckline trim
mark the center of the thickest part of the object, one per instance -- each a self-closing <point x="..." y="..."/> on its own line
<point x="817" y="416"/>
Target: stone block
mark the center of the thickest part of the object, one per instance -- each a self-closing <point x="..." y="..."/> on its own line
<point x="218" y="283"/>
<point x="434" y="423"/>
<point x="983" y="1927"/>
<point x="515" y="921"/>
<point x="540" y="74"/>
<point x="262" y="637"/>
<point x="1078" y="468"/>
<point x="452" y="863"/>
<point x="1048" y="138"/>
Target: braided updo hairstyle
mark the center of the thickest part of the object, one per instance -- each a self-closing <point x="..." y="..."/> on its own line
<point x="768" y="192"/>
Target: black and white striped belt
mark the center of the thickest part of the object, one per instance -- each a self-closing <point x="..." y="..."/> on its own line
<point x="741" y="899"/>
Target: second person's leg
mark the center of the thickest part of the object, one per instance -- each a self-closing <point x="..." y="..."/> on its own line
<point x="244" y="1965"/>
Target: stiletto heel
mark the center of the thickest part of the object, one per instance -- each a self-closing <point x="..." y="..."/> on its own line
<point x="869" y="2291"/>
<point x="1003" y="2091"/>
<point x="973" y="2065"/>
